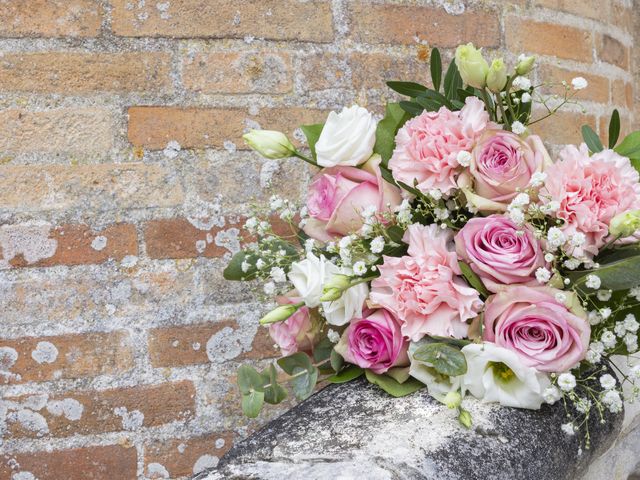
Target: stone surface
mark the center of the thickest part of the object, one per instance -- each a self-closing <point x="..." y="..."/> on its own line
<point x="345" y="427"/>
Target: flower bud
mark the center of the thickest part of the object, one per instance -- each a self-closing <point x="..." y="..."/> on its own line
<point x="269" y="143"/>
<point x="334" y="287"/>
<point x="497" y="76"/>
<point x="280" y="314"/>
<point x="465" y="418"/>
<point x="472" y="66"/>
<point x="625" y="224"/>
<point x="452" y="399"/>
<point x="525" y="64"/>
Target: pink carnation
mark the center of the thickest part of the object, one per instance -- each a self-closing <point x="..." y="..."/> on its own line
<point x="423" y="289"/>
<point x="544" y="333"/>
<point x="591" y="191"/>
<point x="428" y="145"/>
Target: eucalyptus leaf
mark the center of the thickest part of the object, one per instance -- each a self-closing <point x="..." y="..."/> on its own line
<point x="249" y="379"/>
<point x="273" y="393"/>
<point x="446" y="359"/>
<point x="614" y="128"/>
<point x="252" y="403"/>
<point x="387" y="129"/>
<point x="336" y="360"/>
<point x="435" y="65"/>
<point x="619" y="275"/>
<point x="297" y="360"/>
<point x="350" y="373"/>
<point x="304" y="381"/>
<point x="473" y="279"/>
<point x="410" y="89"/>
<point x="312" y="132"/>
<point x="391" y="386"/>
<point x="591" y="139"/>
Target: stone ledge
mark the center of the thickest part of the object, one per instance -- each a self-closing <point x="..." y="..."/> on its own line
<point x="355" y="430"/>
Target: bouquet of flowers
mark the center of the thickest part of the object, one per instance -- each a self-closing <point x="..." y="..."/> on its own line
<point x="442" y="247"/>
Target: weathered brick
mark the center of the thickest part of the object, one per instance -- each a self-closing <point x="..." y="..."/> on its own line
<point x="405" y="24"/>
<point x="373" y="70"/>
<point x="71" y="73"/>
<point x="320" y="71"/>
<point x="595" y="9"/>
<point x="65" y="245"/>
<point x="247" y="72"/>
<point x="184" y="457"/>
<point x="65" y="130"/>
<point x="563" y="127"/>
<point x="123" y="409"/>
<point x="271" y="19"/>
<point x="612" y="51"/>
<point x="66" y="356"/>
<point x="524" y="35"/>
<point x="49" y="18"/>
<point x="89" y="187"/>
<point x="154" y="127"/>
<point x="622" y="93"/>
<point x="95" y="463"/>
<point x="186" y="345"/>
<point x="596" y="91"/>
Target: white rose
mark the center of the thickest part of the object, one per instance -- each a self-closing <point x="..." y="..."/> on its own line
<point x="495" y="374"/>
<point x="438" y="385"/>
<point x="308" y="277"/>
<point x="349" y="305"/>
<point x="347" y="138"/>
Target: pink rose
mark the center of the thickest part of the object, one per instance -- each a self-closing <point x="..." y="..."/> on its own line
<point x="499" y="251"/>
<point x="374" y="342"/>
<point x="423" y="289"/>
<point x="338" y="195"/>
<point x="530" y="321"/>
<point x="591" y="191"/>
<point x="501" y="164"/>
<point x="297" y="332"/>
<point x="427" y="146"/>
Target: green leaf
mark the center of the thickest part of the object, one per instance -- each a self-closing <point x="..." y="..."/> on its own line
<point x="591" y="139"/>
<point x="312" y="132"/>
<point x="336" y="360"/>
<point x="410" y="89"/>
<point x="387" y="175"/>
<point x="437" y="97"/>
<point x="435" y="66"/>
<point x="273" y="393"/>
<point x="473" y="279"/>
<point x="619" y="275"/>
<point x="446" y="359"/>
<point x="614" y="128"/>
<point x="411" y="107"/>
<point x="252" y="403"/>
<point x="304" y="374"/>
<point x="399" y="374"/>
<point x="452" y="81"/>
<point x="391" y="386"/>
<point x="611" y="255"/>
<point x="249" y="379"/>
<point x="322" y="351"/>
<point x="297" y="360"/>
<point x="350" y="373"/>
<point x="457" y="342"/>
<point x="630" y="146"/>
<point x="429" y="105"/>
<point x="387" y="129"/>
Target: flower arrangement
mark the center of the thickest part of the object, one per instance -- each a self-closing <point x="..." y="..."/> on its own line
<point x="442" y="247"/>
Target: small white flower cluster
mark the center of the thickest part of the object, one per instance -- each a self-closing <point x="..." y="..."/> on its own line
<point x="283" y="207"/>
<point x="255" y="226"/>
<point x="579" y="83"/>
<point x="403" y="213"/>
<point x="518" y="207"/>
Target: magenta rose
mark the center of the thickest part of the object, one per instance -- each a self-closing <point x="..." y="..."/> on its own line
<point x="502" y="164"/>
<point x="543" y="332"/>
<point x="338" y="196"/>
<point x="297" y="333"/>
<point x="374" y="342"/>
<point x="499" y="251"/>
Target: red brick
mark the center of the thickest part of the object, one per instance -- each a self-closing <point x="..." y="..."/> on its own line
<point x="596" y="91"/>
<point x="563" y="127"/>
<point x="612" y="51"/>
<point x="96" y="463"/>
<point x="159" y="404"/>
<point x="78" y="73"/>
<point x="179" y="456"/>
<point x="596" y="9"/>
<point x="405" y="24"/>
<point x="50" y="18"/>
<point x="270" y="19"/>
<point x="154" y="127"/>
<point x="373" y="70"/>
<point x="622" y="94"/>
<point x="78" y="356"/>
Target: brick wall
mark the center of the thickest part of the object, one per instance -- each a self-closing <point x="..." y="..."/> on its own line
<point x="119" y="339"/>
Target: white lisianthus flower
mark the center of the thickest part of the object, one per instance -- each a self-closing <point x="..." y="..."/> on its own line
<point x="347" y="138"/>
<point x="438" y="385"/>
<point x="309" y="275"/>
<point x="340" y="312"/>
<point x="495" y="374"/>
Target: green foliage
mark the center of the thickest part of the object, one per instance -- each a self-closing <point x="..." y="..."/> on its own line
<point x="252" y="403"/>
<point x="233" y="271"/>
<point x="452" y="81"/>
<point x="336" y="360"/>
<point x="393" y="387"/>
<point x="614" y="128"/>
<point x="591" y="139"/>
<point x="273" y="393"/>
<point x="312" y="132"/>
<point x="250" y="383"/>
<point x="410" y="89"/>
<point x="387" y="129"/>
<point x="436" y="69"/>
<point x="350" y="373"/>
<point x="618" y="275"/>
<point x="473" y="279"/>
<point x="630" y="147"/>
<point x="446" y="359"/>
<point x="304" y="374"/>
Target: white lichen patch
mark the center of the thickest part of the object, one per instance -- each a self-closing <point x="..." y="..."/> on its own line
<point x="267" y="171"/>
<point x="204" y="462"/>
<point x="201" y="246"/>
<point x="8" y="358"/>
<point x="195" y="346"/>
<point x="172" y="149"/>
<point x="220" y="443"/>
<point x="228" y="343"/>
<point x="129" y="261"/>
<point x="229" y="146"/>
<point x="29" y="420"/>
<point x="99" y="243"/>
<point x="157" y="470"/>
<point x="31" y="240"/>
<point x="45" y="352"/>
<point x="163" y="8"/>
<point x="36" y="402"/>
<point x="132" y="420"/>
<point x="202" y="214"/>
<point x="69" y="407"/>
<point x="181" y="448"/>
<point x="229" y="239"/>
<point x="23" y="476"/>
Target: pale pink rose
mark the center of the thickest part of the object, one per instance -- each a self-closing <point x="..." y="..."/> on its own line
<point x="423" y="289"/>
<point x="544" y="333"/>
<point x="591" y="191"/>
<point x="502" y="164"/>
<point x="499" y="251"/>
<point x="338" y="195"/>
<point x="427" y="146"/>
<point x="374" y="342"/>
<point x="296" y="333"/>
